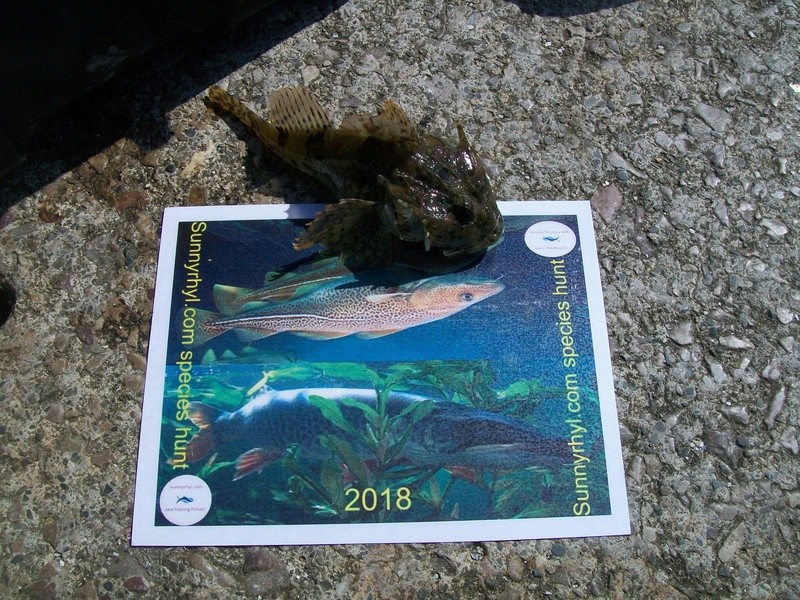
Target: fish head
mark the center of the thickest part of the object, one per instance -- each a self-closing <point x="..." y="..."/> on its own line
<point x="441" y="195"/>
<point x="450" y="294"/>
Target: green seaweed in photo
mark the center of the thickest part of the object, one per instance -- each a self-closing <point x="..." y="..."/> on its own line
<point x="369" y="454"/>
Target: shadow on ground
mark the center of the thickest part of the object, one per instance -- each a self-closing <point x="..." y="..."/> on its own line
<point x="557" y="8"/>
<point x="135" y="103"/>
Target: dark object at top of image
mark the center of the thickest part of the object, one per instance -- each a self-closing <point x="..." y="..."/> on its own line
<point x="52" y="53"/>
<point x="7" y="300"/>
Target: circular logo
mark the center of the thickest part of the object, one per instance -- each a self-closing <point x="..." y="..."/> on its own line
<point x="185" y="500"/>
<point x="550" y="238"/>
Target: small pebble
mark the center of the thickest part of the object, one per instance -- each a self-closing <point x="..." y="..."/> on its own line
<point x="607" y="201"/>
<point x="732" y="544"/>
<point x="663" y="140"/>
<point x="774" y="136"/>
<point x="774" y="228"/>
<point x="737" y="414"/>
<point x="309" y="74"/>
<point x="617" y="161"/>
<point x="515" y="568"/>
<point x="682" y="333"/>
<point x="716" y="118"/>
<point x="734" y="343"/>
<point x="775" y="407"/>
<point x="789" y="440"/>
<point x="131" y="199"/>
<point x="198" y="196"/>
<point x="725" y="88"/>
<point x="721" y="212"/>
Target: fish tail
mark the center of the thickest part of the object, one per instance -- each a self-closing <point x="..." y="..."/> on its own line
<point x="263" y="129"/>
<point x="353" y="229"/>
<point x="202" y="443"/>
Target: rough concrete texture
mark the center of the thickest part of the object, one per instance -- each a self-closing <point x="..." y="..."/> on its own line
<point x="679" y="119"/>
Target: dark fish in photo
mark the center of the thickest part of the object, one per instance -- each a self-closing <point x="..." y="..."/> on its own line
<point x="450" y="435"/>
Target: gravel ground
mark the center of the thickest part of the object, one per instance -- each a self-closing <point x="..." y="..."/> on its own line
<point x="678" y="119"/>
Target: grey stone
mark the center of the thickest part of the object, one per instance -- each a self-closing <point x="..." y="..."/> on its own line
<point x="682" y="333"/>
<point x="663" y="140"/>
<point x="716" y="118"/>
<point x="616" y="160"/>
<point x="607" y="201"/>
<point x="737" y="414"/>
<point x="775" y="407"/>
<point x="732" y="544"/>
<point x="734" y="343"/>
<point x="774" y="228"/>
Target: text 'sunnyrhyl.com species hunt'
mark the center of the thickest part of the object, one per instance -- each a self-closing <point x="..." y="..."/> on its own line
<point x="396" y="186"/>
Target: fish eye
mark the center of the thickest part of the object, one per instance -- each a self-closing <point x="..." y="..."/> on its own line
<point x="467" y="297"/>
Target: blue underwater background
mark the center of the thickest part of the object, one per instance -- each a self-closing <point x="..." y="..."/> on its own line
<point x="501" y="355"/>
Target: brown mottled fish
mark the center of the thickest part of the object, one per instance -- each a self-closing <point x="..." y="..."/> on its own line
<point x="395" y="186"/>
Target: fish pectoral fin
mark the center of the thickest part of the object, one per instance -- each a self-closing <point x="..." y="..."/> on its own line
<point x="252" y="335"/>
<point x="338" y="225"/>
<point x="254" y="460"/>
<point x="296" y="110"/>
<point x="202" y="443"/>
<point x="381" y="298"/>
<point x="352" y="228"/>
<point x="321" y="335"/>
<point x="465" y="473"/>
<point x="229" y="299"/>
<point x="371" y="335"/>
<point x="200" y="446"/>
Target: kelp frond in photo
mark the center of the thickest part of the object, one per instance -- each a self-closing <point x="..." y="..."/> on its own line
<point x="526" y="493"/>
<point x="462" y="381"/>
<point x="303" y="492"/>
<point x="373" y="439"/>
<point x="396" y="449"/>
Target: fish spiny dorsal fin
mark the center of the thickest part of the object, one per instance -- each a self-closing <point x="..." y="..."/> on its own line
<point x="391" y="125"/>
<point x="463" y="142"/>
<point x="296" y="110"/>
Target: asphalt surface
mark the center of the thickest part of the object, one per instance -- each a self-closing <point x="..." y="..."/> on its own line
<point x="678" y="119"/>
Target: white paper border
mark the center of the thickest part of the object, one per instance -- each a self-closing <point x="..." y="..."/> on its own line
<point x="146" y="533"/>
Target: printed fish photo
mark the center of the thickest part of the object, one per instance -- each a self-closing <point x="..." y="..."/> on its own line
<point x="378" y="453"/>
<point x="305" y="391"/>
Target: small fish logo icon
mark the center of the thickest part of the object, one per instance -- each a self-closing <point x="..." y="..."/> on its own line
<point x="551" y="238"/>
<point x="184" y="500"/>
